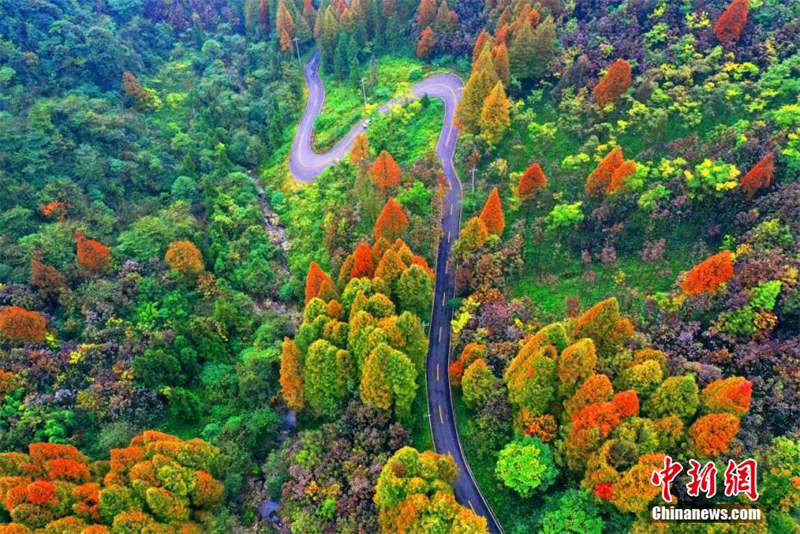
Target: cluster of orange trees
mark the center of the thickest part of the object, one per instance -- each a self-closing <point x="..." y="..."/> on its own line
<point x="362" y="333"/>
<point x="158" y="483"/>
<point x="611" y="412"/>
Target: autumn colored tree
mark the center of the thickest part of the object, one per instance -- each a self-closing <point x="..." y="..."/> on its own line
<point x="676" y="396"/>
<point x="385" y="171"/>
<point x="575" y="364"/>
<point x="711" y="435"/>
<point x="531" y="182"/>
<point x="477" y="89"/>
<point x="530" y="378"/>
<point x="708" y="275"/>
<point x="730" y="395"/>
<point x="469" y="354"/>
<point x="388" y="381"/>
<point x="427" y="40"/>
<point x="186" y="258"/>
<point x="730" y="24"/>
<point x="316" y="281"/>
<point x="324" y="372"/>
<point x="495" y="115"/>
<point x="477" y="383"/>
<point x="46" y="277"/>
<point x="19" y="324"/>
<point x="286" y="28"/>
<point x="426" y="13"/>
<point x="482" y="39"/>
<point x="492" y="213"/>
<point x="760" y="176"/>
<point x="617" y="183"/>
<point x="615" y="82"/>
<point x="605" y="326"/>
<point x="415" y="290"/>
<point x="601" y="177"/>
<point x="473" y="235"/>
<point x="141" y="98"/>
<point x="360" y="150"/>
<point x="501" y="63"/>
<point x="363" y="266"/>
<point x="414" y="491"/>
<point x="91" y="255"/>
<point x="291" y="377"/>
<point x="521" y="52"/>
<point x="391" y="223"/>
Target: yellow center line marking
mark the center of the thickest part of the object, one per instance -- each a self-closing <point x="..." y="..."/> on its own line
<point x="470" y="504"/>
<point x="437" y="372"/>
<point x="440" y="334"/>
<point x="441" y="414"/>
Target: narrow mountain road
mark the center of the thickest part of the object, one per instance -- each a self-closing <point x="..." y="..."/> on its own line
<point x="305" y="165"/>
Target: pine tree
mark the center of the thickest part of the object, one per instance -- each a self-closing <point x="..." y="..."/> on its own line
<point x="340" y="57"/>
<point x="482" y="39"/>
<point x="360" y="150"/>
<point x="252" y="23"/>
<point x="495" y="115"/>
<point x="391" y="223"/>
<point x="291" y="376"/>
<point x="544" y="45"/>
<point x="286" y="28"/>
<point x="388" y="381"/>
<point x="615" y="82"/>
<point x="443" y="24"/>
<point x="492" y="213"/>
<point x="363" y="266"/>
<point x="731" y="23"/>
<point x="521" y="52"/>
<point x="531" y="182"/>
<point x="427" y="40"/>
<point x="316" y="280"/>
<point x="426" y="13"/>
<point x="309" y="13"/>
<point x="480" y="84"/>
<point x="501" y="64"/>
<point x="385" y="171"/>
<point x="473" y="235"/>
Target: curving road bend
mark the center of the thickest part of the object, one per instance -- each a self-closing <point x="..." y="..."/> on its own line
<point x="305" y="165"/>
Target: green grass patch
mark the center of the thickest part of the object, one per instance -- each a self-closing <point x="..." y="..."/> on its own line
<point x="344" y="102"/>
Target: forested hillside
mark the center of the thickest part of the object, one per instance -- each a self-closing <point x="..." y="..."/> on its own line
<point x="188" y="334"/>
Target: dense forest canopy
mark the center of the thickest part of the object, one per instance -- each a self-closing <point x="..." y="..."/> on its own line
<point x="193" y="341"/>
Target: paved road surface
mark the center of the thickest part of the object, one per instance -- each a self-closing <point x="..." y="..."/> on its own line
<point x="306" y="164"/>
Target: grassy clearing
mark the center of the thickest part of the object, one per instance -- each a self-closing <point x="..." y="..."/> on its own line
<point x="344" y="104"/>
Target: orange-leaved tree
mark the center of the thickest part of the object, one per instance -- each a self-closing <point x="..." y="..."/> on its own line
<point x="706" y="276"/>
<point x="286" y="28"/>
<point x="531" y="182"/>
<point x="391" y="223"/>
<point x="185" y="257"/>
<point x="363" y="265"/>
<point x="617" y="183"/>
<point x="317" y="282"/>
<point x="91" y="254"/>
<point x="730" y="24"/>
<point x="759" y="176"/>
<point x="601" y="177"/>
<point x="19" y="324"/>
<point x="291" y="378"/>
<point x="427" y="40"/>
<point x="385" y="171"/>
<point x="360" y="150"/>
<point x="615" y="82"/>
<point x="492" y="213"/>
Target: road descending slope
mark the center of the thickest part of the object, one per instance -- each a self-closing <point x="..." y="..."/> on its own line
<point x="305" y="165"/>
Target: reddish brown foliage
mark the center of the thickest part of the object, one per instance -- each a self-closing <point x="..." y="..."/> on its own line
<point x="707" y="275"/>
<point x="427" y="40"/>
<point x="471" y="352"/>
<point x="140" y="98"/>
<point x="492" y="214"/>
<point x="363" y="266"/>
<point x="759" y="176"/>
<point x="19" y="324"/>
<point x="315" y="281"/>
<point x="391" y="223"/>
<point x="92" y="255"/>
<point x="57" y="208"/>
<point x="385" y="171"/>
<point x="712" y="435"/>
<point x="426" y="13"/>
<point x="615" y="82"/>
<point x="531" y="182"/>
<point x="731" y="395"/>
<point x="601" y="177"/>
<point x="732" y="21"/>
<point x="185" y="258"/>
<point x="45" y="277"/>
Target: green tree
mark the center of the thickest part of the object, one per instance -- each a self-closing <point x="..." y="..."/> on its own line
<point x="321" y="379"/>
<point x="415" y="291"/>
<point x="389" y="381"/>
<point x="526" y="465"/>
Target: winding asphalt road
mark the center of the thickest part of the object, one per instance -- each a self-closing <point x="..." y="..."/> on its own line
<point x="305" y="165"/>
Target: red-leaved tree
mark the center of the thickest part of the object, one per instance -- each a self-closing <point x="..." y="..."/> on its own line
<point x="615" y="82"/>
<point x="732" y="21"/>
